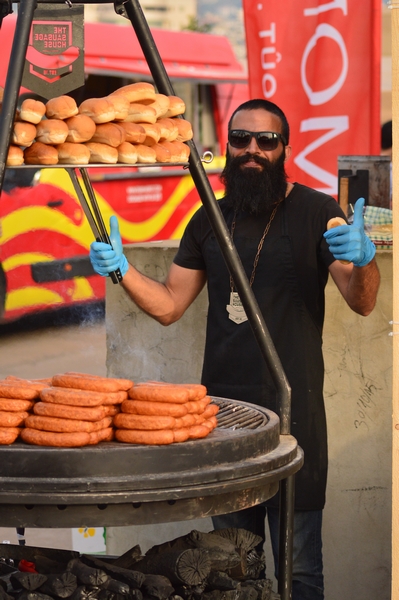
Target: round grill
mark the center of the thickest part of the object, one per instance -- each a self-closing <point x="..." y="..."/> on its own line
<point x="113" y="484"/>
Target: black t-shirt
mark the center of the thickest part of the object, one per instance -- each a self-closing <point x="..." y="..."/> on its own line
<point x="307" y="214"/>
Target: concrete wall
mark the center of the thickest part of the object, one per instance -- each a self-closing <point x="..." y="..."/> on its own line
<point x="358" y="359"/>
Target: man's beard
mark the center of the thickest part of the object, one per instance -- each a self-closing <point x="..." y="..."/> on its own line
<point x="251" y="189"/>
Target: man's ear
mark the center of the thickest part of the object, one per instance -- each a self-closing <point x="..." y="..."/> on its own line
<point x="288" y="151"/>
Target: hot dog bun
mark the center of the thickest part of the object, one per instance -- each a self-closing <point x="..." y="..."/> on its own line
<point x="152" y="133"/>
<point x="184" y="128"/>
<point x="145" y="154"/>
<point x="176" y="106"/>
<point x="74" y="154"/>
<point x="162" y="154"/>
<point x="127" y="153"/>
<point x="140" y="113"/>
<point x="102" y="153"/>
<point x="15" y="156"/>
<point x="23" y="134"/>
<point x="61" y="107"/>
<point x="179" y="151"/>
<point x="121" y="106"/>
<point x="135" y="133"/>
<point x="51" y="131"/>
<point x="32" y="111"/>
<point x="336" y="222"/>
<point x="169" y="129"/>
<point x="101" y="110"/>
<point x="109" y="133"/>
<point x="41" y="154"/>
<point x="160" y="104"/>
<point x="81" y="128"/>
<point x="137" y="92"/>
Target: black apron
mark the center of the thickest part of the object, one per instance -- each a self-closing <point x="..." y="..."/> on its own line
<point x="235" y="368"/>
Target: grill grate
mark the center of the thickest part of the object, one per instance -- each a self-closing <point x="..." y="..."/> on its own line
<point x="236" y="416"/>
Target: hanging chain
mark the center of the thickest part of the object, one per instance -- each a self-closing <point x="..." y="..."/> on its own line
<point x="260" y="245"/>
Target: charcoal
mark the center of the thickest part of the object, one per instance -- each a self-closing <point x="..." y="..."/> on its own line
<point x="35" y="595"/>
<point x="157" y="587"/>
<point x="27" y="581"/>
<point x="85" y="574"/>
<point x="61" y="585"/>
<point x="116" y="587"/>
<point x="190" y="566"/>
<point x="218" y="580"/>
<point x="134" y="579"/>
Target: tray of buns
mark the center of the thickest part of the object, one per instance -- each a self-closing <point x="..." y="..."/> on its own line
<point x="102" y="165"/>
<point x="134" y="125"/>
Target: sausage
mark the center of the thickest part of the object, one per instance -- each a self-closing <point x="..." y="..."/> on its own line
<point x="22" y="391"/>
<point x="93" y="383"/>
<point x="59" y="425"/>
<point x="210" y="411"/>
<point x="49" y="438"/>
<point x="63" y="411"/>
<point x="111" y="409"/>
<point x="185" y="421"/>
<point x="198" y="406"/>
<point x="12" y="419"/>
<point x="134" y="436"/>
<point x="103" y="435"/>
<point x="211" y="423"/>
<point x="181" y="435"/>
<point x="8" y="435"/>
<point x="144" y="407"/>
<point x="147" y="422"/>
<point x="153" y="392"/>
<point x="34" y="383"/>
<point x="15" y="405"/>
<point x="76" y="397"/>
<point x="198" y="431"/>
<point x="196" y="391"/>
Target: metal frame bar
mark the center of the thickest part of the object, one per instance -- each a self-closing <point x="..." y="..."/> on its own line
<point x="133" y="11"/>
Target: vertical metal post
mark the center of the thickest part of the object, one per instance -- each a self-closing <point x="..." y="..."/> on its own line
<point x="286" y="534"/>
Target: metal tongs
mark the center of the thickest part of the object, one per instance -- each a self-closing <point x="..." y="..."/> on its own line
<point x="92" y="211"/>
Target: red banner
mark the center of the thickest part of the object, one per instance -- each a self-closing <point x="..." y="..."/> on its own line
<point x="319" y="60"/>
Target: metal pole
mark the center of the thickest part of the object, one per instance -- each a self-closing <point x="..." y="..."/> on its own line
<point x="14" y="78"/>
<point x="286" y="534"/>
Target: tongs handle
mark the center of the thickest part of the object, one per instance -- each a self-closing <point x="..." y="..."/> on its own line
<point x="92" y="213"/>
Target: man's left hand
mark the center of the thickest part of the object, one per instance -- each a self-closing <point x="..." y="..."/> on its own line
<point x="349" y="242"/>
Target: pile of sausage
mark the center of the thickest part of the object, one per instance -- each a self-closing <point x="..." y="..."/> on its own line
<point x="77" y="409"/>
<point x="134" y="124"/>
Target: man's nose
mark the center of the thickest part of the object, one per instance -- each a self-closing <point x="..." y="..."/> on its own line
<point x="253" y="147"/>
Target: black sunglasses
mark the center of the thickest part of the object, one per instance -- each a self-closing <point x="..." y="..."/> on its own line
<point x="266" y="140"/>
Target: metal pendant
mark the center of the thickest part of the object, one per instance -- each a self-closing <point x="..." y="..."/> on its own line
<point x="235" y="309"/>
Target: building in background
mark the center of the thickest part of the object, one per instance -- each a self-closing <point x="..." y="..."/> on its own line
<point x="165" y="14"/>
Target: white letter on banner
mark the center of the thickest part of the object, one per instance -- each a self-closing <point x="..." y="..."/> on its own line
<point x="336" y="125"/>
<point x="268" y="80"/>
<point x="342" y="4"/>
<point x="316" y="98"/>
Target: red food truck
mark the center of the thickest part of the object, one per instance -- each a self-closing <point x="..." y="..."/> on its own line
<point x="44" y="235"/>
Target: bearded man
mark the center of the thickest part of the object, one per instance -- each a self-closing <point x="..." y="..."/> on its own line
<point x="279" y="231"/>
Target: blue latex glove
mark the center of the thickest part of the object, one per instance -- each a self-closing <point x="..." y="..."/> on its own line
<point x="106" y="258"/>
<point x="349" y="242"/>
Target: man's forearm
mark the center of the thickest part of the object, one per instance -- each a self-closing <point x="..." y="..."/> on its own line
<point x="363" y="287"/>
<point x="150" y="296"/>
